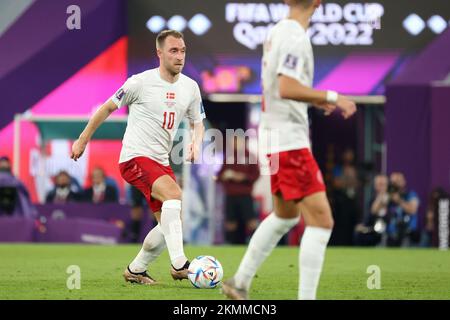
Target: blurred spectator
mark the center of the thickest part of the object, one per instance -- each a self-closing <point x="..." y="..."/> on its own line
<point x="14" y="197"/>
<point x="238" y="175"/>
<point x="369" y="233"/>
<point x="403" y="204"/>
<point x="63" y="192"/>
<point x="345" y="175"/>
<point x="100" y="191"/>
<point x="344" y="201"/>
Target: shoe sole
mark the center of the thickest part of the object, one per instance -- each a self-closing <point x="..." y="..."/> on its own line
<point x="175" y="276"/>
<point x="231" y="292"/>
<point x="136" y="279"/>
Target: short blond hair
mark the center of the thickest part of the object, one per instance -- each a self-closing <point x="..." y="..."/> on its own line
<point x="162" y="36"/>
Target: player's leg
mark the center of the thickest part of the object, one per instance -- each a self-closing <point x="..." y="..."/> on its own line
<point x="154" y="242"/>
<point x="316" y="212"/>
<point x="167" y="191"/>
<point x="152" y="247"/>
<point x="263" y="241"/>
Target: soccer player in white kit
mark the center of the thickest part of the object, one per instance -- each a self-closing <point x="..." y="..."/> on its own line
<point x="158" y="100"/>
<point x="297" y="184"/>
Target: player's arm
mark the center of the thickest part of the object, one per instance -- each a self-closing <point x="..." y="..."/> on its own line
<point x="290" y="88"/>
<point x="96" y="120"/>
<point x="198" y="131"/>
<point x="196" y="114"/>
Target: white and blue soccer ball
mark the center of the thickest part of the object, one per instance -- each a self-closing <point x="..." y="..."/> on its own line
<point x="205" y="272"/>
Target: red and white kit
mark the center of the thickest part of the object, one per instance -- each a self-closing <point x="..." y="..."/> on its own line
<point x="284" y="123"/>
<point x="156" y="108"/>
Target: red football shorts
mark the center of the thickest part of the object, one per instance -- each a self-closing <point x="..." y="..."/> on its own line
<point x="297" y="174"/>
<point x="142" y="172"/>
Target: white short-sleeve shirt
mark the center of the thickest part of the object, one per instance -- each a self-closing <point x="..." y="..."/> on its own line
<point x="284" y="123"/>
<point x="156" y="108"/>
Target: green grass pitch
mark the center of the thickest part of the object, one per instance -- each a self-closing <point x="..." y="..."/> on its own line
<point x="39" y="272"/>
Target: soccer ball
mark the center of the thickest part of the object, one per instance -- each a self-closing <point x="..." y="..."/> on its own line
<point x="205" y="272"/>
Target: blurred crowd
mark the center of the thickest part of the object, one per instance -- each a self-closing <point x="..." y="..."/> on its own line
<point x="67" y="189"/>
<point x="388" y="218"/>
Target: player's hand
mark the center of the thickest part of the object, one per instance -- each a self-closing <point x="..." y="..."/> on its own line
<point x="348" y="107"/>
<point x="328" y="108"/>
<point x="193" y="152"/>
<point x="78" y="148"/>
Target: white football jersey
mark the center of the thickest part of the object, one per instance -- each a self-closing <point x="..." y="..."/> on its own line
<point x="284" y="123"/>
<point x="156" y="108"/>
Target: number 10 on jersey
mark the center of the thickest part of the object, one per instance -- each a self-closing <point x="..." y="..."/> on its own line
<point x="168" y="123"/>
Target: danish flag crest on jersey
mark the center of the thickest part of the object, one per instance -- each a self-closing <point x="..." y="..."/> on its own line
<point x="170" y="95"/>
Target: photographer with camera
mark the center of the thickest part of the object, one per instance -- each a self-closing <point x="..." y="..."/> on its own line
<point x="402" y="229"/>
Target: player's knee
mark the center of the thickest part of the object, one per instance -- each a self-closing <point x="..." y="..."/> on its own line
<point x="328" y="223"/>
<point x="173" y="194"/>
<point x="176" y="195"/>
<point x="324" y="217"/>
<point x="287" y="213"/>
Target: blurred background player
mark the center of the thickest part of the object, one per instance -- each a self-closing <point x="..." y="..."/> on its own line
<point x="238" y="175"/>
<point x="158" y="99"/>
<point x="296" y="182"/>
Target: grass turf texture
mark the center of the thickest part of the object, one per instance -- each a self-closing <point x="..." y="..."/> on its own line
<point x="39" y="272"/>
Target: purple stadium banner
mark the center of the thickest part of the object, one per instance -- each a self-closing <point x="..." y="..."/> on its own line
<point x="111" y="213"/>
<point x="104" y="211"/>
<point x="75" y="223"/>
<point x="79" y="230"/>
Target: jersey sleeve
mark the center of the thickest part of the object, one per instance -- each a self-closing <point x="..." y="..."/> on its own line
<point x="196" y="112"/>
<point x="291" y="59"/>
<point x="128" y="93"/>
